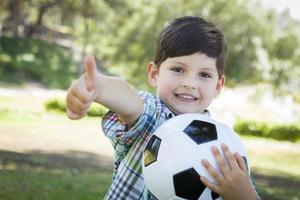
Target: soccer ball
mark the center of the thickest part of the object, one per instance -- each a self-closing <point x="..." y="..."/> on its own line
<point x="172" y="157"/>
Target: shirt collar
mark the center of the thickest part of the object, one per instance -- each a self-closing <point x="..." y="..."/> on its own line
<point x="169" y="114"/>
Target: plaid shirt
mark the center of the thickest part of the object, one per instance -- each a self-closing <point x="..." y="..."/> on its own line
<point x="127" y="182"/>
<point x="129" y="144"/>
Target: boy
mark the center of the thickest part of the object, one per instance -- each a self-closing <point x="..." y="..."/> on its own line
<point x="188" y="74"/>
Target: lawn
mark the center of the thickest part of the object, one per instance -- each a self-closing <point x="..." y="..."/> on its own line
<point x="275" y="166"/>
<point x="46" y="156"/>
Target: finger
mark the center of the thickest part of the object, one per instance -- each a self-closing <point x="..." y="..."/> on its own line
<point x="212" y="171"/>
<point x="241" y="162"/>
<point x="224" y="167"/>
<point x="76" y="105"/>
<point x="90" y="69"/>
<point x="229" y="156"/>
<point x="211" y="186"/>
<point x="83" y="95"/>
<point x="73" y="115"/>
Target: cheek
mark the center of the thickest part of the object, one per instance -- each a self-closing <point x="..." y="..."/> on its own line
<point x="208" y="90"/>
<point x="165" y="86"/>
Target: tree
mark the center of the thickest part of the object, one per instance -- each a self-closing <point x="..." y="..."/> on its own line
<point x="122" y="34"/>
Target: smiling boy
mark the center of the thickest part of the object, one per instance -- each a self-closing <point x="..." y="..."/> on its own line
<point x="187" y="73"/>
<point x="186" y="84"/>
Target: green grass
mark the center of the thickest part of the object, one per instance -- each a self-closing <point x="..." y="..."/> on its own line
<point x="287" y="164"/>
<point x="59" y="184"/>
<point x="47" y="176"/>
<point x="271" y="156"/>
<point x="51" y="185"/>
<point x="25" y="118"/>
<point x="276" y="168"/>
<point x="32" y="175"/>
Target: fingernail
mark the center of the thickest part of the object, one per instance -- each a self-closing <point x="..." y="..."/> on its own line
<point x="214" y="148"/>
<point x="202" y="178"/>
<point x="204" y="161"/>
<point x="223" y="145"/>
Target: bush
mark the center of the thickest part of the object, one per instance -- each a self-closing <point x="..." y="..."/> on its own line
<point x="59" y="105"/>
<point x="289" y="132"/>
<point x="24" y="59"/>
<point x="55" y="105"/>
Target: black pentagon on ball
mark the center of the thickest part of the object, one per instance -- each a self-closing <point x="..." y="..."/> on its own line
<point x="214" y="195"/>
<point x="151" y="150"/>
<point x="187" y="184"/>
<point x="151" y="196"/>
<point x="201" y="131"/>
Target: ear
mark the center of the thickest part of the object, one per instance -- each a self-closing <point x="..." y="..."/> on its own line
<point x="220" y="85"/>
<point x="152" y="70"/>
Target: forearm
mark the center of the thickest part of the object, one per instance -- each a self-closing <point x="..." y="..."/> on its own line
<point x="117" y="95"/>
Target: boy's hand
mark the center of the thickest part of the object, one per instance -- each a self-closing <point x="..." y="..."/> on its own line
<point x="82" y="92"/>
<point x="233" y="181"/>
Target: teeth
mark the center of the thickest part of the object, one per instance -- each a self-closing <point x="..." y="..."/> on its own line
<point x="186" y="96"/>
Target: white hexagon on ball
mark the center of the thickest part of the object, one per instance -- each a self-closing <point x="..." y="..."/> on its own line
<point x="172" y="158"/>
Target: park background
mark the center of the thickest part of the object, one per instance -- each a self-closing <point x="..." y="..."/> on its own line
<point x="44" y="155"/>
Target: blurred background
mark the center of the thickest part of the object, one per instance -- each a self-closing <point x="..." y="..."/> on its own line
<point x="44" y="155"/>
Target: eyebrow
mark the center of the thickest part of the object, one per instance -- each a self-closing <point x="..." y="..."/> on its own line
<point x="176" y="62"/>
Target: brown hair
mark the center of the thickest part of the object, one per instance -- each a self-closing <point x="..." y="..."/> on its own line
<point x="188" y="35"/>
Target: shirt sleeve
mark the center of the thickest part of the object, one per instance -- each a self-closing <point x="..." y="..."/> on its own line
<point x="121" y="137"/>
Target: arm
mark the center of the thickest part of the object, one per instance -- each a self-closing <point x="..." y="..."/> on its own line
<point x="113" y="93"/>
<point x="233" y="180"/>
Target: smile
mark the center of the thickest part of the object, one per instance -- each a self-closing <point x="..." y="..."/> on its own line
<point x="186" y="97"/>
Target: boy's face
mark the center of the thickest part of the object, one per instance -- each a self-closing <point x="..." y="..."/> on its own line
<point x="186" y="84"/>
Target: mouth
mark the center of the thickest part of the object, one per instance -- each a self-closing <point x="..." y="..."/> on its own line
<point x="186" y="97"/>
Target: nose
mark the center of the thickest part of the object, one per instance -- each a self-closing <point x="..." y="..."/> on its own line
<point x="189" y="82"/>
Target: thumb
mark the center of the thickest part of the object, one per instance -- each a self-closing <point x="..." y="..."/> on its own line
<point x="91" y="70"/>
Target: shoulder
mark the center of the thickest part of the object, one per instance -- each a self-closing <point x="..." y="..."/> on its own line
<point x="147" y="95"/>
<point x="152" y="100"/>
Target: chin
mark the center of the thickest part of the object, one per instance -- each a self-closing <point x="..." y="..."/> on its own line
<point x="185" y="111"/>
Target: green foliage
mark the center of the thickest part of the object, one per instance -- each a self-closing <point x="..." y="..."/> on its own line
<point x="55" y="104"/>
<point x="96" y="110"/>
<point x="286" y="46"/>
<point x="289" y="132"/>
<point x="128" y="44"/>
<point x="59" y="105"/>
<point x="30" y="59"/>
<point x="263" y="46"/>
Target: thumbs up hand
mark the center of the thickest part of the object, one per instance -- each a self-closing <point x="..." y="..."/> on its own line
<point x="112" y="92"/>
<point x="82" y="92"/>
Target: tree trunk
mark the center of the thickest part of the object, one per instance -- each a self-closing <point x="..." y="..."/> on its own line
<point x="14" y="20"/>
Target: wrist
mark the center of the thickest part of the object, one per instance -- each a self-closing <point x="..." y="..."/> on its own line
<point x="252" y="194"/>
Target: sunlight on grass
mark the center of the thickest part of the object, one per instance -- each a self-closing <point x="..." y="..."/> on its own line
<point x="28" y="118"/>
<point x="22" y="103"/>
<point x="283" y="165"/>
<point x="274" y="157"/>
<point x="31" y="179"/>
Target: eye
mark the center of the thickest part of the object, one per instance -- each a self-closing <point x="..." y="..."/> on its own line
<point x="205" y="75"/>
<point x="177" y="69"/>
